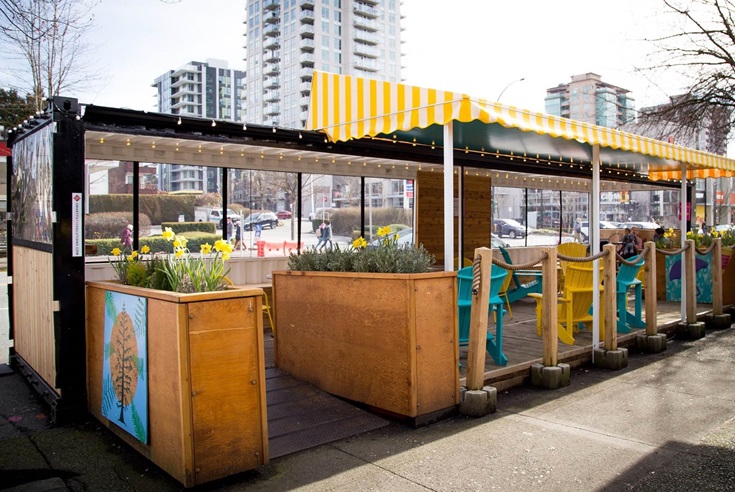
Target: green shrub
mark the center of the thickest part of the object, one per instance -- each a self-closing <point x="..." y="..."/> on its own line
<point x="182" y="227"/>
<point x="110" y="224"/>
<point x="387" y="257"/>
<point x="159" y="208"/>
<point x="157" y="244"/>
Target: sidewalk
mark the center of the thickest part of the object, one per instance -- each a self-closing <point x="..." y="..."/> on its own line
<point x="667" y="422"/>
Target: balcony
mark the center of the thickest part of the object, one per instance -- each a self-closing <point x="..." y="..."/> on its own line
<point x="307" y="59"/>
<point x="271" y="82"/>
<point x="271" y="4"/>
<point x="371" y="2"/>
<point x="304" y="116"/>
<point x="271" y="18"/>
<point x="307" y="45"/>
<point x="306" y="74"/>
<point x="366" y="64"/>
<point x="272" y="43"/>
<point x="305" y="102"/>
<point x="272" y="96"/>
<point x="305" y="87"/>
<point x="271" y="69"/>
<point x="361" y="49"/>
<point x="306" y="4"/>
<point x="366" y="10"/>
<point x="306" y="30"/>
<point x="366" y="36"/>
<point x="367" y="24"/>
<point x="272" y="30"/>
<point x="272" y="56"/>
<point x="272" y="109"/>
<point x="307" y="16"/>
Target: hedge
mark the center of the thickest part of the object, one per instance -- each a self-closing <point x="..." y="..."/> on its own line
<point x="184" y="227"/>
<point x="110" y="224"/>
<point x="159" y="208"/>
<point x="157" y="244"/>
<point x="345" y="220"/>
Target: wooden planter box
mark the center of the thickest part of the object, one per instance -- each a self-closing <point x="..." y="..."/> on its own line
<point x="386" y="340"/>
<point x="206" y="380"/>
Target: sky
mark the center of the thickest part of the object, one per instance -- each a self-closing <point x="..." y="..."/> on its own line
<point x="479" y="47"/>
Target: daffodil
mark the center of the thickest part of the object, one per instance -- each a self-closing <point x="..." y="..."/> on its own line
<point x="179" y="252"/>
<point x="134" y="254"/>
<point x="205" y="249"/>
<point x="225" y="256"/>
<point x="359" y="243"/>
<point x="116" y="251"/>
<point x="383" y="231"/>
<point x="145" y="249"/>
<point x="168" y="234"/>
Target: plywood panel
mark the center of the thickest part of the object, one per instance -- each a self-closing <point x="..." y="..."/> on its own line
<point x="323" y="331"/>
<point x="435" y="314"/>
<point x="476" y="213"/>
<point x="33" y="322"/>
<point x="226" y="392"/>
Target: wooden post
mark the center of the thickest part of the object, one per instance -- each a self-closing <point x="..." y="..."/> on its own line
<point x="717" y="277"/>
<point x="651" y="307"/>
<point x="688" y="263"/>
<point x="550" y="322"/>
<point x="610" y="324"/>
<point x="478" y="323"/>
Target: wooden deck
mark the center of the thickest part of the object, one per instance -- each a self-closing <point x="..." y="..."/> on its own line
<point x="524" y="348"/>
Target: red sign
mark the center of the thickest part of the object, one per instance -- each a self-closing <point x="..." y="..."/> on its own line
<point x="689" y="211"/>
<point x="324" y="199"/>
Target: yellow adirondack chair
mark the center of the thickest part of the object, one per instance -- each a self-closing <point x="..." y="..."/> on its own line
<point x="578" y="250"/>
<point x="574" y="304"/>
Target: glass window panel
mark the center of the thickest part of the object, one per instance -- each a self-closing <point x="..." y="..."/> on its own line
<point x="109" y="208"/>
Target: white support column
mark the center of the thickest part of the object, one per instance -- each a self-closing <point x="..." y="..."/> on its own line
<point x="449" y="197"/>
<point x="684" y="225"/>
<point x="594" y="238"/>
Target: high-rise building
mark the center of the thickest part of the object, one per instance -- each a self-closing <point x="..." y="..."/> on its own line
<point x="286" y="40"/>
<point x="587" y="98"/>
<point x="207" y="90"/>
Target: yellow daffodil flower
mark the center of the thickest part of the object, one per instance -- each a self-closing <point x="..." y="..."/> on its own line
<point x="168" y="234"/>
<point x="116" y="251"/>
<point x="206" y="248"/>
<point x="177" y="243"/>
<point x="383" y="231"/>
<point x="134" y="254"/>
<point x="359" y="243"/>
<point x="179" y="252"/>
<point x="145" y="249"/>
<point x="225" y="256"/>
<point x="130" y="257"/>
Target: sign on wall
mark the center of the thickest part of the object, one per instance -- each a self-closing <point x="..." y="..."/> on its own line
<point x="125" y="363"/>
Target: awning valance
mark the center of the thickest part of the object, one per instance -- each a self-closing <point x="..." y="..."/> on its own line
<point x="347" y="107"/>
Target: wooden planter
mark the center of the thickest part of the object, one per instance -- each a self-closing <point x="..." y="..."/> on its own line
<point x="387" y="340"/>
<point x="206" y="380"/>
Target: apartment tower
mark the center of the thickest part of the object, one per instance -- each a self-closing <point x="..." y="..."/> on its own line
<point x="286" y="40"/>
<point x="587" y="98"/>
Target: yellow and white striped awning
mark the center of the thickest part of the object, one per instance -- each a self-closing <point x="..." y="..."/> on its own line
<point x="347" y="107"/>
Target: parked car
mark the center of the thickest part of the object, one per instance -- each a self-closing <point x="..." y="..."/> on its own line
<point x="604" y="224"/>
<point x="283" y="214"/>
<point x="508" y="227"/>
<point x="264" y="219"/>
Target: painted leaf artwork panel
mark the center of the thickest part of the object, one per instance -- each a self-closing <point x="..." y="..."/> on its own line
<point x="125" y="368"/>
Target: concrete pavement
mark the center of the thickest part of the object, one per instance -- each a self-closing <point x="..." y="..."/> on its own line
<point x="667" y="422"/>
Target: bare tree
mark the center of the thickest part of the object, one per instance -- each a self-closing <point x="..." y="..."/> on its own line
<point x="701" y="48"/>
<point x="48" y="35"/>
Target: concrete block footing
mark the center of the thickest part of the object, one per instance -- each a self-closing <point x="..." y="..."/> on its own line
<point x="692" y="331"/>
<point x="611" y="359"/>
<point x="550" y="377"/>
<point x="717" y="321"/>
<point x="478" y="403"/>
<point x="651" y="343"/>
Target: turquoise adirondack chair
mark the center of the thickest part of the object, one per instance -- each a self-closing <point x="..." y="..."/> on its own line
<point x="494" y="344"/>
<point x="518" y="290"/>
<point x="626" y="279"/>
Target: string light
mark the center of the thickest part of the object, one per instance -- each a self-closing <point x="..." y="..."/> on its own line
<point x="179" y="121"/>
<point x="244" y="126"/>
<point x="214" y="123"/>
